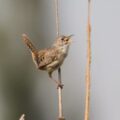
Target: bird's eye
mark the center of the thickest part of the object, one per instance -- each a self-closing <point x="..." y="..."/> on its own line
<point x="62" y="38"/>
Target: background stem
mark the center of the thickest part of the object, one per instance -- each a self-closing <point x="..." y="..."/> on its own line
<point x="88" y="75"/>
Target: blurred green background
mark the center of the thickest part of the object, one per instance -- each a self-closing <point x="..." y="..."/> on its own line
<point x="24" y="89"/>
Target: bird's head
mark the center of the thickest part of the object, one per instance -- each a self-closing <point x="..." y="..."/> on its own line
<point x="63" y="40"/>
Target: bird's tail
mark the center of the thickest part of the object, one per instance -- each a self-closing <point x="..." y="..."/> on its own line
<point x="29" y="43"/>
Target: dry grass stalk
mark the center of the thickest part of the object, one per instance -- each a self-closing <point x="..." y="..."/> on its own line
<point x="88" y="75"/>
<point x="57" y="17"/>
<point x="22" y="117"/>
<point x="60" y="117"/>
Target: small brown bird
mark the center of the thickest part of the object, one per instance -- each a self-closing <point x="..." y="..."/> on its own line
<point x="52" y="58"/>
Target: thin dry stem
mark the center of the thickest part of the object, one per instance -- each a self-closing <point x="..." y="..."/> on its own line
<point x="60" y="97"/>
<point x="60" y="102"/>
<point x="22" y="117"/>
<point x="88" y="75"/>
<point x="57" y="17"/>
<point x="60" y="117"/>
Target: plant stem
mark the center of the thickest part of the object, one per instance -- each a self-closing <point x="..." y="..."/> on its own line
<point x="22" y="117"/>
<point x="60" y="117"/>
<point x="60" y="94"/>
<point x="60" y="97"/>
<point x="57" y="17"/>
<point x="88" y="72"/>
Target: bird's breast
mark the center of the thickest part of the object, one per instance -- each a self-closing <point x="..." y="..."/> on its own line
<point x="63" y="52"/>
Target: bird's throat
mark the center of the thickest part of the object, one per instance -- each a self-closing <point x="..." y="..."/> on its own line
<point x="64" y="49"/>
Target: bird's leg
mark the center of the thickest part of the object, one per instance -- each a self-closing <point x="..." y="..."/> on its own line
<point x="59" y="78"/>
<point x="60" y="85"/>
<point x="56" y="81"/>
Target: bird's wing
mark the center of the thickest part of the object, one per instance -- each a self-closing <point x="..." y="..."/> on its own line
<point x="47" y="56"/>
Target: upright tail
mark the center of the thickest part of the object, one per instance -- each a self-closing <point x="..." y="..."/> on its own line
<point x="29" y="43"/>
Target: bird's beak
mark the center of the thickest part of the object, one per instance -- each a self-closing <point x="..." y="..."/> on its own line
<point x="69" y="37"/>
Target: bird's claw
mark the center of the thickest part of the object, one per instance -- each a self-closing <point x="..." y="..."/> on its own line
<point x="60" y="85"/>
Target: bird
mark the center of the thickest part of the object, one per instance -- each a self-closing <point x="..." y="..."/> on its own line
<point x="50" y="59"/>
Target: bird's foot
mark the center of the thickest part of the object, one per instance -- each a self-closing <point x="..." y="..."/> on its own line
<point x="60" y="85"/>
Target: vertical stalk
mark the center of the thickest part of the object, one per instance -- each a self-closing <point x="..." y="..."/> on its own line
<point x="22" y="117"/>
<point x="60" y="116"/>
<point x="88" y="65"/>
<point x="57" y="17"/>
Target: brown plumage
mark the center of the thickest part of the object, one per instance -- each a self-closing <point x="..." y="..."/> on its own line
<point x="52" y="58"/>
